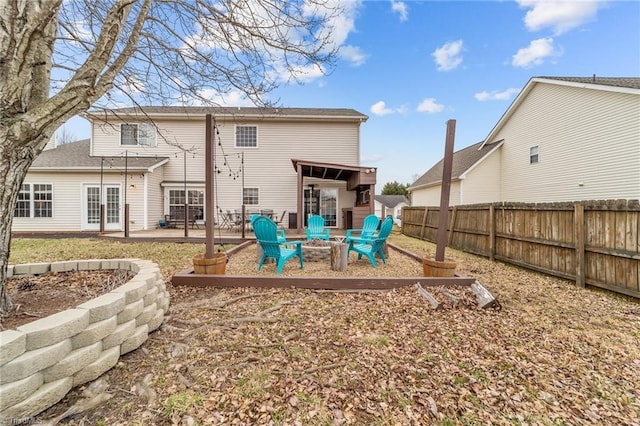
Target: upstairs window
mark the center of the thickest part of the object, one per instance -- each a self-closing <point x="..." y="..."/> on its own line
<point x="137" y="134"/>
<point x="246" y="136"/>
<point x="35" y="200"/>
<point x="533" y="155"/>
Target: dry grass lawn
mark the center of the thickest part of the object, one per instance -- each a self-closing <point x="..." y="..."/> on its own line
<point x="553" y="354"/>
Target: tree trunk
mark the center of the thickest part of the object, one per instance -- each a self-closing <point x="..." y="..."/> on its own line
<point x="15" y="160"/>
<point x="339" y="256"/>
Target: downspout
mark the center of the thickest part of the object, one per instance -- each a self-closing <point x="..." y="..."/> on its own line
<point x="299" y="200"/>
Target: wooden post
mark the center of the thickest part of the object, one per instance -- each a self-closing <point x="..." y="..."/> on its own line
<point x="453" y="225"/>
<point x="339" y="258"/>
<point x="578" y="226"/>
<point x="210" y="154"/>
<point x="441" y="238"/>
<point x="424" y="222"/>
<point x="492" y="232"/>
<point x="126" y="220"/>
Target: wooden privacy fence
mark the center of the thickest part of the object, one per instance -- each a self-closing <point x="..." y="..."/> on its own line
<point x="591" y="242"/>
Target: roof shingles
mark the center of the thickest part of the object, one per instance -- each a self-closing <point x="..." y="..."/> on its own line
<point x="462" y="161"/>
<point x="75" y="155"/>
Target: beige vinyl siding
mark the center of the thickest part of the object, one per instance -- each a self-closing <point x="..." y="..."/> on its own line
<point x="155" y="202"/>
<point x="67" y="200"/>
<point x="589" y="146"/>
<point x="267" y="167"/>
<point x="430" y="196"/>
<point x="135" y="198"/>
<point x="482" y="182"/>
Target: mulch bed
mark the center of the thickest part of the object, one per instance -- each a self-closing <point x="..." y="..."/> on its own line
<point x="39" y="296"/>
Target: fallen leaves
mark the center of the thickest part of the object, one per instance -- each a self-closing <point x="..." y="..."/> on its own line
<point x="554" y="354"/>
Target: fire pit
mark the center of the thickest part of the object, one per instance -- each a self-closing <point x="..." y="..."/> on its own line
<point x="316" y="250"/>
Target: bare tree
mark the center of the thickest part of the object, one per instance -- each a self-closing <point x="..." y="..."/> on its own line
<point x="60" y="58"/>
<point x="65" y="135"/>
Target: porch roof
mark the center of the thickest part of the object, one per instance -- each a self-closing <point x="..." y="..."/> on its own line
<point x="331" y="171"/>
<point x="75" y="156"/>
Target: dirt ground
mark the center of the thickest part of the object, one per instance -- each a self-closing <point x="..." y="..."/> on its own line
<point x="552" y="354"/>
<point x="37" y="297"/>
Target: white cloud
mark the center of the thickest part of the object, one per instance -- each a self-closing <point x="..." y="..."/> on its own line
<point x="380" y="108"/>
<point x="535" y="54"/>
<point x="353" y="54"/>
<point x="505" y="95"/>
<point x="401" y="9"/>
<point x="301" y="73"/>
<point x="560" y="16"/>
<point x="448" y="56"/>
<point x="341" y="24"/>
<point x="234" y="98"/>
<point x="430" y="106"/>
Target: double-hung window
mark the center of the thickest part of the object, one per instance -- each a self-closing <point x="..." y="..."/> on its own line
<point x="246" y="136"/>
<point x="35" y="200"/>
<point x="137" y="134"/>
<point x="251" y="196"/>
<point x="534" y="155"/>
<point x="196" y="203"/>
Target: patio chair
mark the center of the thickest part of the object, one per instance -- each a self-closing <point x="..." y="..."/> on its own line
<point x="278" y="221"/>
<point x="316" y="229"/>
<point x="227" y="220"/>
<point x="267" y="236"/>
<point x="372" y="247"/>
<point x="368" y="231"/>
<point x="282" y="238"/>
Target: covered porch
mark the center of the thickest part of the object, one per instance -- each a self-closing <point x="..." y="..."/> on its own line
<point x="359" y="179"/>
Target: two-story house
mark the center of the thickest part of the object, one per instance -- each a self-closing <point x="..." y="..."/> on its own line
<point x="300" y="160"/>
<point x="562" y="139"/>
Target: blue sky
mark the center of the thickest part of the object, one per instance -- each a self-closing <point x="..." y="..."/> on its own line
<point x="411" y="66"/>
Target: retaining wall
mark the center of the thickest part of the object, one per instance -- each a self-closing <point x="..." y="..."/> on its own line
<point x="43" y="360"/>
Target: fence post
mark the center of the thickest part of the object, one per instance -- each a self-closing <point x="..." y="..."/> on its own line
<point x="492" y="232"/>
<point x="453" y="224"/>
<point x="424" y="221"/>
<point x="578" y="234"/>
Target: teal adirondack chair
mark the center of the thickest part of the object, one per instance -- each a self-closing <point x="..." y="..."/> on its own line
<point x="368" y="231"/>
<point x="282" y="239"/>
<point x="316" y="228"/>
<point x="267" y="236"/>
<point x="371" y="247"/>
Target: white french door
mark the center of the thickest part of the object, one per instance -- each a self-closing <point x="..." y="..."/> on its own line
<point x="91" y="207"/>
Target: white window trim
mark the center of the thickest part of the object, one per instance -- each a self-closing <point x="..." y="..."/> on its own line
<point x="242" y="196"/>
<point x="180" y="187"/>
<point x="537" y="154"/>
<point x="235" y="136"/>
<point x="153" y="143"/>
<point x="32" y="202"/>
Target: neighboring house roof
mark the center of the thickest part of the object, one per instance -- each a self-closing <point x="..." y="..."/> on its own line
<point x="463" y="160"/>
<point x="391" y="201"/>
<point x="75" y="156"/>
<point x="234" y="112"/>
<point x="628" y="82"/>
<point x="611" y="84"/>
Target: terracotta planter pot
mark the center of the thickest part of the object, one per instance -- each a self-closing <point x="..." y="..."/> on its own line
<point x="435" y="268"/>
<point x="214" y="266"/>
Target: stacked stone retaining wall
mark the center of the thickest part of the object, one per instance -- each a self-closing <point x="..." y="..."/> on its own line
<point x="43" y="360"/>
